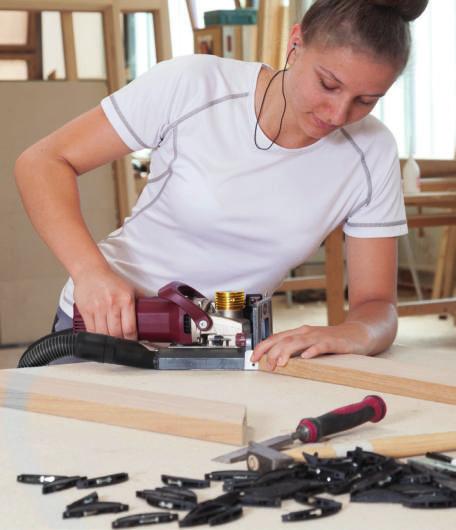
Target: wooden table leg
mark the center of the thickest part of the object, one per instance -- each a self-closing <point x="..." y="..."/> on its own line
<point x="440" y="266"/>
<point x="335" y="277"/>
<point x="448" y="282"/>
<point x="450" y="264"/>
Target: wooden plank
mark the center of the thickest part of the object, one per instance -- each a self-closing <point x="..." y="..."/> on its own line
<point x="55" y="5"/>
<point x="434" y="168"/>
<point x="162" y="29"/>
<point x="438" y="168"/>
<point x="437" y="286"/>
<point x="450" y="261"/>
<point x="284" y="33"/>
<point x="446" y="199"/>
<point x="141" y="6"/>
<point x="427" y="307"/>
<point x="214" y="421"/>
<point x="299" y="283"/>
<point x="69" y="47"/>
<point x="81" y="5"/>
<point x="192" y="14"/>
<point x="116" y="77"/>
<point x="439" y="183"/>
<point x="269" y="28"/>
<point x="431" y="219"/>
<point x="374" y="373"/>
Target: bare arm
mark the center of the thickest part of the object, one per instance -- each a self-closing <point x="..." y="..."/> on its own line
<point x="372" y="289"/>
<point x="46" y="176"/>
<point x="371" y="322"/>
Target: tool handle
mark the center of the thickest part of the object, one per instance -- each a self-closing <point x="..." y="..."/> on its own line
<point x="395" y="446"/>
<point x="371" y="408"/>
<point x="177" y="292"/>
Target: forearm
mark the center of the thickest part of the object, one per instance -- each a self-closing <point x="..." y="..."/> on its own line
<point x="48" y="187"/>
<point x="377" y="320"/>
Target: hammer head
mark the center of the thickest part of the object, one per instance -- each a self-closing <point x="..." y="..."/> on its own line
<point x="262" y="458"/>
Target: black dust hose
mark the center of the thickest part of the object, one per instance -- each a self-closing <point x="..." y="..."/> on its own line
<point x="90" y="347"/>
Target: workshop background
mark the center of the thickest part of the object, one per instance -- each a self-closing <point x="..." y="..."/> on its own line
<point x="60" y="58"/>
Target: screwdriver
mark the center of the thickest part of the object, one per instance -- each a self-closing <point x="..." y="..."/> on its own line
<point x="310" y="430"/>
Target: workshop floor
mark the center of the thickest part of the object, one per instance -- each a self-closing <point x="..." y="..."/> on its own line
<point x="423" y="331"/>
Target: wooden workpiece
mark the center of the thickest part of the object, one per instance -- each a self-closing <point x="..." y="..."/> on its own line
<point x="374" y="373"/>
<point x="138" y="409"/>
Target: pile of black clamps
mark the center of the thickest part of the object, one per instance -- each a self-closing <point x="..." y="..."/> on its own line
<point x="366" y="476"/>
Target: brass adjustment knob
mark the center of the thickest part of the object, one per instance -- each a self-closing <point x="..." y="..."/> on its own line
<point x="229" y="300"/>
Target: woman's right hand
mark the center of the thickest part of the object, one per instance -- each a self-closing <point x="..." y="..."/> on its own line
<point x="106" y="303"/>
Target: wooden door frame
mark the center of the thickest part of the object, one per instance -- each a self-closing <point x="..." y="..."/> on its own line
<point x="115" y="67"/>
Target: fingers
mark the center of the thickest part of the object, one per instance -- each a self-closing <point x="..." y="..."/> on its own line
<point x="280" y="353"/>
<point x="128" y="316"/>
<point x="314" y="351"/>
<point x="107" y="305"/>
<point x="118" y="319"/>
<point x="89" y="322"/>
<point x="100" y="323"/>
<point x="264" y="346"/>
<point x="327" y="345"/>
<point x="114" y="322"/>
<point x="308" y="342"/>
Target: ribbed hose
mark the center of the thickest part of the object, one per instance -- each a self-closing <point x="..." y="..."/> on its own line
<point x="48" y="348"/>
<point x="93" y="347"/>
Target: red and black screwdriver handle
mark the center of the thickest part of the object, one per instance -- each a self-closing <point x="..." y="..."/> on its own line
<point x="371" y="408"/>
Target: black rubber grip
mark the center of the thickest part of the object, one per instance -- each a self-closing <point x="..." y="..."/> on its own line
<point x="371" y="408"/>
<point x="105" y="349"/>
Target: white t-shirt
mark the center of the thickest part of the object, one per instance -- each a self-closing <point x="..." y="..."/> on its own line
<point x="217" y="212"/>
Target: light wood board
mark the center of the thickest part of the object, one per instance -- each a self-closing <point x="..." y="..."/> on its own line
<point x="374" y="373"/>
<point x="208" y="420"/>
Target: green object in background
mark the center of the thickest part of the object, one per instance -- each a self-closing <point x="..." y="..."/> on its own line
<point x="230" y="17"/>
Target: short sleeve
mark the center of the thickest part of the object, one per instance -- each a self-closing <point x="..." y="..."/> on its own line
<point x="382" y="214"/>
<point x="140" y="111"/>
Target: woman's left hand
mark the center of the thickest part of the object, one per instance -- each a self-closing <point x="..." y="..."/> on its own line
<point x="311" y="341"/>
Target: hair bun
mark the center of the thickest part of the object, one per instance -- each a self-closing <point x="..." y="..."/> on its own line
<point x="408" y="9"/>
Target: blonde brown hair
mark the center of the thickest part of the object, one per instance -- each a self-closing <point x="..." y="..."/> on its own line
<point x="378" y="27"/>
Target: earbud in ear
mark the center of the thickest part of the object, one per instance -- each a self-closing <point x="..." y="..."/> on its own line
<point x="295" y="44"/>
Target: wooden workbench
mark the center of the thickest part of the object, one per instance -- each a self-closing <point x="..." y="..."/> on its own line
<point x="37" y="443"/>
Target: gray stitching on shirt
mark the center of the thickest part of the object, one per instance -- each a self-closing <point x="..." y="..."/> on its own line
<point x="155" y="199"/>
<point x="159" y="177"/>
<point x="175" y="123"/>
<point x="373" y="225"/>
<point x="366" y="171"/>
<point x="164" y="184"/>
<point x="356" y="209"/>
<point x="170" y="174"/>
<point x="125" y="121"/>
<point x="200" y="109"/>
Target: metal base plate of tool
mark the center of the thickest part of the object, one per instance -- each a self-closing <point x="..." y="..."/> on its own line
<point x="192" y="358"/>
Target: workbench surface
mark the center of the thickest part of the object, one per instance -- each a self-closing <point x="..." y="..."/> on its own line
<point x="38" y="443"/>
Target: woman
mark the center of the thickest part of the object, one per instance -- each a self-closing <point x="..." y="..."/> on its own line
<point x="250" y="170"/>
